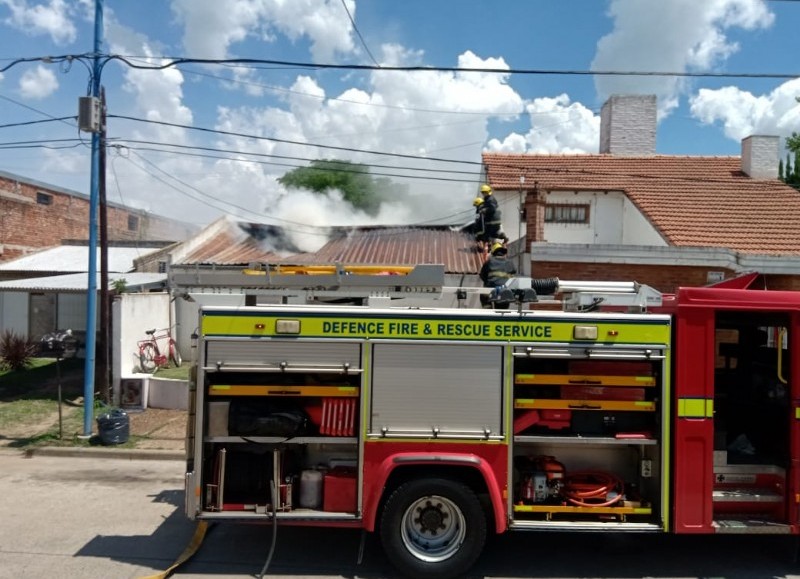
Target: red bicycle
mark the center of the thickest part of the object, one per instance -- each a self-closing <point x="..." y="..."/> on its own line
<point x="150" y="356"/>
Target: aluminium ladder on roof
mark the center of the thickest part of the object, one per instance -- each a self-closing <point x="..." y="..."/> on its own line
<point x="389" y="282"/>
<point x="334" y="281"/>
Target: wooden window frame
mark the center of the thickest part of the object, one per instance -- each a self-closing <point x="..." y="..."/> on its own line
<point x="567" y="213"/>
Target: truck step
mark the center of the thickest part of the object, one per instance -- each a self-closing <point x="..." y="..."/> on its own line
<point x="603" y="526"/>
<point x="746" y="495"/>
<point x="750" y="526"/>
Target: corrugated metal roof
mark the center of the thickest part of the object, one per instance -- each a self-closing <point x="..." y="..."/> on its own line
<point x="692" y="201"/>
<point x="75" y="258"/>
<point x="79" y="282"/>
<point x="398" y="246"/>
<point x="236" y="243"/>
<point x="243" y="243"/>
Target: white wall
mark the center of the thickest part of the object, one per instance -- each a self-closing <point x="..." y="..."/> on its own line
<point x="132" y="315"/>
<point x="637" y="230"/>
<point x="510" y="203"/>
<point x="613" y="220"/>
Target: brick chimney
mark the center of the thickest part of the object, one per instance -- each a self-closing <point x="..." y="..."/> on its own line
<point x="628" y="126"/>
<point x="760" y="156"/>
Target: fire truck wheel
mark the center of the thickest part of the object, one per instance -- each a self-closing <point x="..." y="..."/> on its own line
<point x="433" y="528"/>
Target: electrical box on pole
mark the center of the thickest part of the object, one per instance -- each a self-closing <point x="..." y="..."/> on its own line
<point x="89" y="114"/>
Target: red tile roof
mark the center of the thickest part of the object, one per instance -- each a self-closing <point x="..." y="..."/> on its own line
<point x="243" y="243"/>
<point x="691" y="201"/>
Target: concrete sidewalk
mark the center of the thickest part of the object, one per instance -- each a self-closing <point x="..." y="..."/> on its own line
<point x="96" y="452"/>
<point x="106" y="452"/>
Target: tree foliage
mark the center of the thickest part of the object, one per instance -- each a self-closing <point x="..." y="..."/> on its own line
<point x="790" y="173"/>
<point x="793" y="143"/>
<point x="359" y="188"/>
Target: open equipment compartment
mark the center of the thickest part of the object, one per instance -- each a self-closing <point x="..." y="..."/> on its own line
<point x="280" y="417"/>
<point x="588" y="441"/>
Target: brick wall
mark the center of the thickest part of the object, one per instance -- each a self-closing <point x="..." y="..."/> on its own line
<point x="666" y="279"/>
<point x="33" y="216"/>
<point x="534" y="216"/>
<point x="628" y="125"/>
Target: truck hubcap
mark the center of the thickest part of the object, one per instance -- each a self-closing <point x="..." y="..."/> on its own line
<point x="433" y="528"/>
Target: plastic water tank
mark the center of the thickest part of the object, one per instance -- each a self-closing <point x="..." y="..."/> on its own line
<point x="311" y="489"/>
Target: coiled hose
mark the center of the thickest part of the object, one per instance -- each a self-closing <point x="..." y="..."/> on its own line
<point x="545" y="286"/>
<point x="593" y="489"/>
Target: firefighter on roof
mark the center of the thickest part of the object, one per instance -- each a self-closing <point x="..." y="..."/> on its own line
<point x="496" y="271"/>
<point x="488" y="218"/>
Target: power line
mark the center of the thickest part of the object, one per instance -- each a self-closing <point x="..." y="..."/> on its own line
<point x="174" y="61"/>
<point x="361" y="38"/>
<point x="298" y="227"/>
<point x="122" y="140"/>
<point x="35" y="110"/>
<point x="26" y="123"/>
<point x="43" y="144"/>
<point x="294" y="166"/>
<point x="120" y="143"/>
<point x="290" y="142"/>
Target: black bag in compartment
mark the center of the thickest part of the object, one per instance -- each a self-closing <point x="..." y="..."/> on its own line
<point x="268" y="418"/>
<point x="248" y="472"/>
<point x="594" y="423"/>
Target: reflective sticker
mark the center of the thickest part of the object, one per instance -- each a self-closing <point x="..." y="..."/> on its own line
<point x="695" y="408"/>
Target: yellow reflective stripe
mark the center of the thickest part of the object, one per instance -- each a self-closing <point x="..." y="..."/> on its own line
<point x="695" y="407"/>
<point x="797" y="413"/>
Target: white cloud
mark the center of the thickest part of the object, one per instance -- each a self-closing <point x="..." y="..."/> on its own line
<point x="742" y="113"/>
<point x="393" y="114"/>
<point x="557" y="126"/>
<point x="53" y="18"/>
<point x="38" y="83"/>
<point x="673" y="36"/>
<point x="212" y="27"/>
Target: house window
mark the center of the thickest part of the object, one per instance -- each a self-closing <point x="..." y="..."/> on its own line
<point x="43" y="198"/>
<point x="133" y="223"/>
<point x="162" y="267"/>
<point x="556" y="213"/>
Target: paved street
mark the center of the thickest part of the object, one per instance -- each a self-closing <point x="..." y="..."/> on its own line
<point x="109" y="518"/>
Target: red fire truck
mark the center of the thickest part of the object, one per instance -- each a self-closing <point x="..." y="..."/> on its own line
<point x="623" y="411"/>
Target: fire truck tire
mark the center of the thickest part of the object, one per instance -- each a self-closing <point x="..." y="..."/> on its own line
<point x="433" y="528"/>
<point x="147" y="358"/>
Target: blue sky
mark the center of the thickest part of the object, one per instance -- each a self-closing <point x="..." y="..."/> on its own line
<point x="451" y="115"/>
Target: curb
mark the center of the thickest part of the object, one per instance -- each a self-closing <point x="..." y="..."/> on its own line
<point x="120" y="453"/>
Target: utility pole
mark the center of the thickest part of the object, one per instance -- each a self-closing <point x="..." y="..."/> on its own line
<point x="104" y="383"/>
<point x="91" y="295"/>
<point x="522" y="241"/>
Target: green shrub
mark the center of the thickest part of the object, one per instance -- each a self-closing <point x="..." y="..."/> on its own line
<point x="16" y="352"/>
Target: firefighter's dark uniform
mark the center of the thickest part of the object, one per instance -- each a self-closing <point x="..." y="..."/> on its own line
<point x="496" y="271"/>
<point x="492" y="219"/>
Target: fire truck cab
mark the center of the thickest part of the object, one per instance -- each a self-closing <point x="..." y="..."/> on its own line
<point x="435" y="427"/>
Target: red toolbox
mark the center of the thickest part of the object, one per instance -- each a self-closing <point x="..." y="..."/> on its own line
<point x="339" y="490"/>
